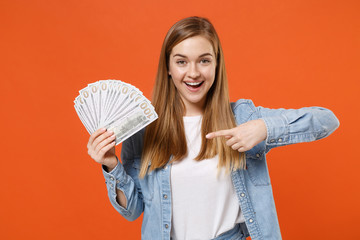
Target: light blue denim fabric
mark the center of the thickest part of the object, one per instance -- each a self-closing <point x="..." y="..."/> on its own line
<point x="239" y="232"/>
<point x="152" y="195"/>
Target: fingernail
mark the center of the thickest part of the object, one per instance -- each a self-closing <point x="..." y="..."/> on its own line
<point x="207" y="135"/>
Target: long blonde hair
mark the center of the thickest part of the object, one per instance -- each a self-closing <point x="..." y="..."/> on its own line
<point x="165" y="137"/>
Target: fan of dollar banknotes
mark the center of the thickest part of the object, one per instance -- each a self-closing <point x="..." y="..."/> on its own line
<point x="116" y="106"/>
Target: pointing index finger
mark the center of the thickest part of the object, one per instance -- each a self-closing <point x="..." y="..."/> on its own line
<point x="221" y="133"/>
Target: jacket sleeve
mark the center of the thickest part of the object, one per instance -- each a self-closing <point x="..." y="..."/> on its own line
<point x="125" y="178"/>
<point x="289" y="126"/>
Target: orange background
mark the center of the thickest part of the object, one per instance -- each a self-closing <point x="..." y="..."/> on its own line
<point x="278" y="53"/>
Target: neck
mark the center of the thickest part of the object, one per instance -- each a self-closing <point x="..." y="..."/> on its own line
<point x="194" y="109"/>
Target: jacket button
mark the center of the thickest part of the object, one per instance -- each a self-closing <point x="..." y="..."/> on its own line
<point x="272" y="140"/>
<point x="165" y="196"/>
<point x="257" y="155"/>
<point x="251" y="220"/>
<point x="242" y="194"/>
<point x="165" y="167"/>
<point x="166" y="226"/>
<point x="117" y="181"/>
<point x="111" y="178"/>
<point x="280" y="140"/>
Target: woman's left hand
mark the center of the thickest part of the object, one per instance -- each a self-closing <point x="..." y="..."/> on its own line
<point x="243" y="137"/>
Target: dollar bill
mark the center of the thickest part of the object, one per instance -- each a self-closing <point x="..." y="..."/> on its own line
<point x="115" y="105"/>
<point x="133" y="121"/>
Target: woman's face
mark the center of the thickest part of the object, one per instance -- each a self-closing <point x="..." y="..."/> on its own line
<point x="192" y="66"/>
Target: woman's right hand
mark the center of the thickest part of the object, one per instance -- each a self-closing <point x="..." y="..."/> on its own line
<point x="101" y="147"/>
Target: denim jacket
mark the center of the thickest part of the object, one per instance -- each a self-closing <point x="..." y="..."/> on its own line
<point x="152" y="195"/>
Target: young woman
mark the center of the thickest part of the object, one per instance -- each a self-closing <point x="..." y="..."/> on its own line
<point x="199" y="171"/>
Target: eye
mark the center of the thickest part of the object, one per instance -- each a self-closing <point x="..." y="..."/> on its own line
<point x="205" y="61"/>
<point x="180" y="62"/>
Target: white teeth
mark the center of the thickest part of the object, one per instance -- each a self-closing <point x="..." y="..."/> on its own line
<point x="193" y="83"/>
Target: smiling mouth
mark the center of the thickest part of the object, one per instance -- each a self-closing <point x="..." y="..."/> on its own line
<point x="194" y="84"/>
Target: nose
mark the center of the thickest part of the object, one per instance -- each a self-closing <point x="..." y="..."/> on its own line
<point x="193" y="71"/>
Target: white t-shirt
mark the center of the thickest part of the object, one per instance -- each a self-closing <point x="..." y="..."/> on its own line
<point x="204" y="203"/>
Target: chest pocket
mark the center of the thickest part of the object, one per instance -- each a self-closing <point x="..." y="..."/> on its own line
<point x="256" y="165"/>
<point x="146" y="184"/>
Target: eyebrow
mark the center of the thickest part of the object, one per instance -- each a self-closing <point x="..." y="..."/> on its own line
<point x="183" y="56"/>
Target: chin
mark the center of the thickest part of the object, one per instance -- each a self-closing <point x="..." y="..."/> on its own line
<point x="195" y="101"/>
